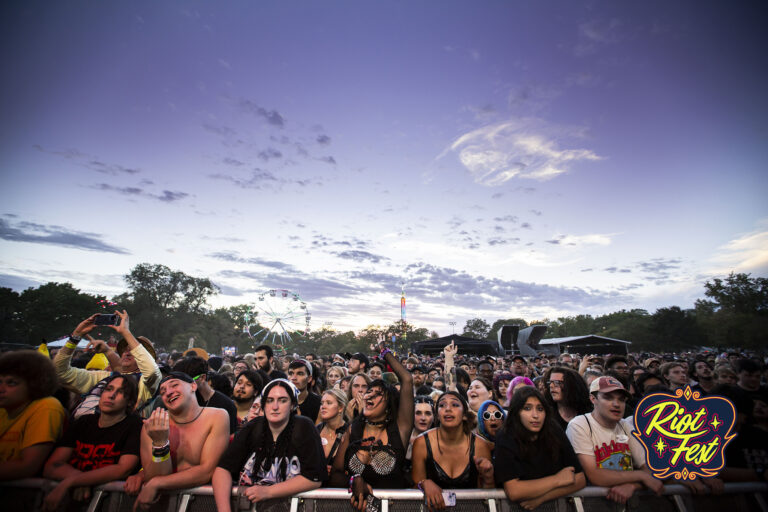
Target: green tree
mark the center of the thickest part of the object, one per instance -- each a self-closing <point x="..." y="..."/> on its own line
<point x="675" y="329"/>
<point x="10" y="308"/>
<point x="736" y="312"/>
<point x="477" y="328"/>
<point x="53" y="310"/>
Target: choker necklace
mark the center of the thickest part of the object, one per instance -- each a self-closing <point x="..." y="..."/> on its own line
<point x="376" y="423"/>
<point x="190" y="421"/>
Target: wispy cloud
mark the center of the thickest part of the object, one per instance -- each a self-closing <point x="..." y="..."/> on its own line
<point x="91" y="162"/>
<point x="497" y="153"/>
<point x="166" y="196"/>
<point x="272" y="117"/>
<point x="361" y="256"/>
<point x="745" y="253"/>
<point x="581" y="240"/>
<point x="659" y="270"/>
<point x="56" y="235"/>
<point x="236" y="258"/>
<point x="595" y="33"/>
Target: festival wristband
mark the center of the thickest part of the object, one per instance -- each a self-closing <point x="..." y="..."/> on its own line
<point x="70" y="345"/>
<point x="384" y="352"/>
<point x="167" y="444"/>
<point x="163" y="458"/>
<point x="352" y="482"/>
<point x="161" y="452"/>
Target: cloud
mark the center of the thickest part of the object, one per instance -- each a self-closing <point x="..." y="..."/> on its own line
<point x="269" y="154"/>
<point x="497" y="153"/>
<point x="89" y="161"/>
<point x="272" y="117"/>
<point x="613" y="270"/>
<point x="236" y="258"/>
<point x="17" y="283"/>
<point x="746" y="253"/>
<point x="581" y="240"/>
<point x="361" y="256"/>
<point x="167" y="196"/>
<point x="506" y="218"/>
<point x="323" y="140"/>
<point x="659" y="270"/>
<point x="258" y="179"/>
<point x="443" y="285"/>
<point x="327" y="159"/>
<point x="503" y="241"/>
<point x="55" y="235"/>
<point x="595" y="33"/>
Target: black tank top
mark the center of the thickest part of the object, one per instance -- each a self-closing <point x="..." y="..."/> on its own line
<point x="466" y="480"/>
<point x="386" y="469"/>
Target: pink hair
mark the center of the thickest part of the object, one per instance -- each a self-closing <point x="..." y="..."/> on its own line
<point x="516" y="382"/>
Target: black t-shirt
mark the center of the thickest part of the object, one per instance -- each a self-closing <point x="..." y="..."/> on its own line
<point x="748" y="450"/>
<point x="508" y="464"/>
<point x="96" y="447"/>
<point x="221" y="401"/>
<point x="276" y="374"/>
<point x="311" y="406"/>
<point x="303" y="456"/>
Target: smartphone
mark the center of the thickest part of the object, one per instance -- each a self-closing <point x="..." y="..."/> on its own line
<point x="373" y="504"/>
<point x="106" y="320"/>
<point x="449" y="498"/>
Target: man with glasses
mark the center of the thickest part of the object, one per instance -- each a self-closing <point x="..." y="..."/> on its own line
<point x="610" y="455"/>
<point x="619" y="365"/>
<point x="519" y="366"/>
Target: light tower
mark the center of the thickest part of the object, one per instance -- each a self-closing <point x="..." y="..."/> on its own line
<point x="402" y="312"/>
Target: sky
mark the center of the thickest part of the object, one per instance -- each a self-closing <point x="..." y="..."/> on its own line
<point x="497" y="159"/>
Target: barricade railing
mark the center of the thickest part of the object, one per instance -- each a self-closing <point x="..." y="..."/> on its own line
<point x="737" y="497"/>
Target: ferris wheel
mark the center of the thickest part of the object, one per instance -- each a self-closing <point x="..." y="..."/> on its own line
<point x="277" y="316"/>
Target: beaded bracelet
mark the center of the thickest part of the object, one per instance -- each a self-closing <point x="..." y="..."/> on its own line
<point x="384" y="352"/>
<point x="420" y="485"/>
<point x="352" y="482"/>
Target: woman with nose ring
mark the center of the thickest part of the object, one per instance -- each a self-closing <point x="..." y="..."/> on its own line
<point x="534" y="461"/>
<point x="451" y="456"/>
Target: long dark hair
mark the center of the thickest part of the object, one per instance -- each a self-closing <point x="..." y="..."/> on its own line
<point x="468" y="419"/>
<point x="531" y="444"/>
<point x="267" y="451"/>
<point x="574" y="390"/>
<point x="392" y="398"/>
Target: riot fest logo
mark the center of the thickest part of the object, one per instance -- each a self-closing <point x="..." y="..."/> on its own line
<point x="684" y="435"/>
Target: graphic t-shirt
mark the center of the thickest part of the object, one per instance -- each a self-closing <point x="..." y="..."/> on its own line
<point x="615" y="449"/>
<point x="96" y="447"/>
<point x="303" y="455"/>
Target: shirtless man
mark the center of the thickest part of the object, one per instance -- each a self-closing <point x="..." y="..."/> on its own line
<point x="195" y="435"/>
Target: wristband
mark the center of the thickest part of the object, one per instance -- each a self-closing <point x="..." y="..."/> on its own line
<point x="163" y="458"/>
<point x="161" y="452"/>
<point x="70" y="345"/>
<point x="352" y="482"/>
<point x="420" y="485"/>
<point x="384" y="352"/>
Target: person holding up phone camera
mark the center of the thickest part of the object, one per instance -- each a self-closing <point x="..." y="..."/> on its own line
<point x="135" y="357"/>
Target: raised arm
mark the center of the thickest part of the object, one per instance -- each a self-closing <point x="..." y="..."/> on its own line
<point x="150" y="373"/>
<point x="450" y="367"/>
<point x="405" y="411"/>
<point x="80" y="379"/>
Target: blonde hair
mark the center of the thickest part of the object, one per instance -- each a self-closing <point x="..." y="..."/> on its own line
<point x="341" y="399"/>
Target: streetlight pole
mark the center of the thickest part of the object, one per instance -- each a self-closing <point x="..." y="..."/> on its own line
<point x="453" y="326"/>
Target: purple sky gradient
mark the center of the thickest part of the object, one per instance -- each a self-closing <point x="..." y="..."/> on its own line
<point x="504" y="159"/>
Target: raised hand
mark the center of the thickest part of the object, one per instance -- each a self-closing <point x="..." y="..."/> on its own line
<point x="158" y="427"/>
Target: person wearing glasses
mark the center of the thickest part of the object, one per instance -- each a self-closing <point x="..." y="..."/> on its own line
<point x="534" y="460"/>
<point x="451" y="456"/>
<point x="567" y="394"/>
<point x="490" y="418"/>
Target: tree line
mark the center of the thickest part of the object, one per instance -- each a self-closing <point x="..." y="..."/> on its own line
<point x="170" y="307"/>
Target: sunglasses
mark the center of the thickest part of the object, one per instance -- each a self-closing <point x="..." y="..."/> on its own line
<point x="557" y="383"/>
<point x="496" y="415"/>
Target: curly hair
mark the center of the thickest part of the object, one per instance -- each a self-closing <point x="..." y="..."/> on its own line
<point x="574" y="390"/>
<point x="532" y="444"/>
<point x="35" y="369"/>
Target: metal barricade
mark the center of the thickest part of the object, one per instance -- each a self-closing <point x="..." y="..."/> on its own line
<point x="28" y="494"/>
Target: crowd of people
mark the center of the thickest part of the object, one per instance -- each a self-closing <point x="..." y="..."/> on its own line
<point x="539" y="427"/>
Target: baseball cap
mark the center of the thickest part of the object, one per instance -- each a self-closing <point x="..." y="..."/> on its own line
<point x="176" y="375"/>
<point x="606" y="384"/>
<point x="361" y="357"/>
